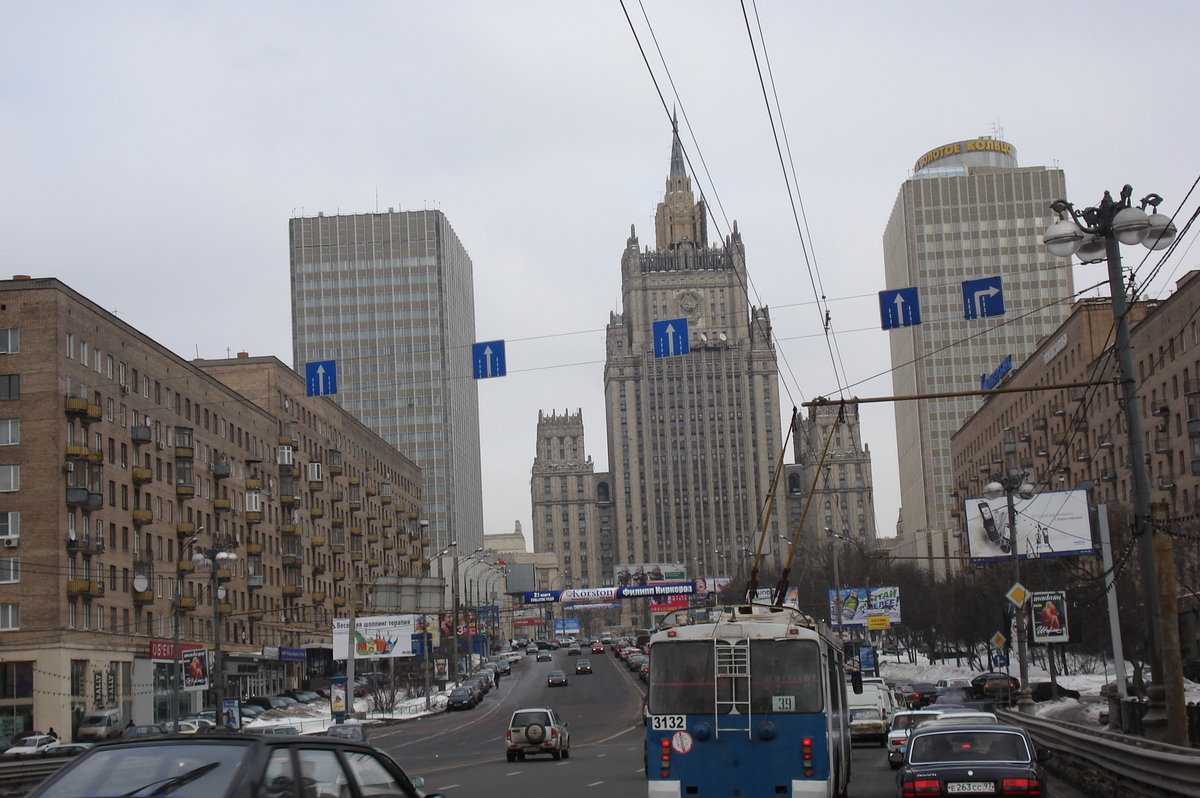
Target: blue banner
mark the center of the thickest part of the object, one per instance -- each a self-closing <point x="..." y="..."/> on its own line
<point x="633" y="591"/>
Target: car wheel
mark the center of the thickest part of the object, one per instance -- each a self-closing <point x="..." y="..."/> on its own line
<point x="511" y="756"/>
<point x="566" y="754"/>
<point x="895" y="765"/>
<point x="555" y="754"/>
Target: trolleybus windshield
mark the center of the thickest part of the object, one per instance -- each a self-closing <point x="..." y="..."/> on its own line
<point x="785" y="676"/>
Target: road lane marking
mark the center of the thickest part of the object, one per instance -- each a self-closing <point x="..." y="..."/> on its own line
<point x="594" y="783"/>
<point x="451" y="786"/>
<point x="514" y="773"/>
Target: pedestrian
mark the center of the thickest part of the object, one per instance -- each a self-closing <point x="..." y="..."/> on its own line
<point x="52" y="733"/>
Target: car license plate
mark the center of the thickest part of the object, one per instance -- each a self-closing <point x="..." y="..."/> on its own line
<point x="970" y="786"/>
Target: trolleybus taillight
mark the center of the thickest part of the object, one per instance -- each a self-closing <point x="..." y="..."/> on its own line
<point x="806" y="749"/>
<point x="666" y="758"/>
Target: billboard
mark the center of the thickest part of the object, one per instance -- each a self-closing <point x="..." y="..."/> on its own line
<point x="885" y="600"/>
<point x="649" y="573"/>
<point x="1049" y="616"/>
<point x="1051" y="524"/>
<point x="607" y="593"/>
<point x="376" y="636"/>
<point x="718" y="585"/>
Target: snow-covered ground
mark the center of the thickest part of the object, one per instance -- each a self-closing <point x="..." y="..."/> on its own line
<point x="316" y="717"/>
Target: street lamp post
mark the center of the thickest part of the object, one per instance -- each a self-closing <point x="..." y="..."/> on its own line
<point x="1016" y="482"/>
<point x="427" y="644"/>
<point x="1096" y="234"/>
<point x="214" y="556"/>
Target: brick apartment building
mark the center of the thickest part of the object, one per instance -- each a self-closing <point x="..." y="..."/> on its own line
<point x="118" y="460"/>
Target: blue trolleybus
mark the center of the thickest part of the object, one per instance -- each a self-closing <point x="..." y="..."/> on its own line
<point x="751" y="704"/>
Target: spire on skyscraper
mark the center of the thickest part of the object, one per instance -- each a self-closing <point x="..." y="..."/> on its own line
<point x="678" y="167"/>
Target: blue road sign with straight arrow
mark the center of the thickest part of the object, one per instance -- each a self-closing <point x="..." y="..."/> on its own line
<point x="900" y="307"/>
<point x="671" y="338"/>
<point x="488" y="359"/>
<point x="320" y="377"/>
<point x="982" y="298"/>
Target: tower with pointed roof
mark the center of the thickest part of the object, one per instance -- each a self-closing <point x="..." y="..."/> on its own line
<point x="692" y="439"/>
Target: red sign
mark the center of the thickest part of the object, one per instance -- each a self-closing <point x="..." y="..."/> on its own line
<point x="526" y="621"/>
<point x="671" y="604"/>
<point x="165" y="649"/>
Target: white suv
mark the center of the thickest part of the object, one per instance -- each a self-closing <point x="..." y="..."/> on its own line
<point x="539" y="730"/>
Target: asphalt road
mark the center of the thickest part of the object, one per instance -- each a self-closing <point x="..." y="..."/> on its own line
<point x="461" y="754"/>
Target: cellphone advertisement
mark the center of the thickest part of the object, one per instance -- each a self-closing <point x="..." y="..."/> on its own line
<point x="1051" y="524"/>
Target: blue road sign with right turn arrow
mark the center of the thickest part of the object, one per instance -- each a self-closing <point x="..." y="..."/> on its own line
<point x="900" y="307"/>
<point x="487" y="359"/>
<point x="982" y="298"/>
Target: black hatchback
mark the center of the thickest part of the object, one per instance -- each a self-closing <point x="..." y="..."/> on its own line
<point x="230" y="766"/>
<point x="995" y="760"/>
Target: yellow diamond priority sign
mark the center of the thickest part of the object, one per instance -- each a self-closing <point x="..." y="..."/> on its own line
<point x="1017" y="594"/>
<point x="999" y="640"/>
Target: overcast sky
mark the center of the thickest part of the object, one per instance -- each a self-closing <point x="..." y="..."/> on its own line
<point x="152" y="153"/>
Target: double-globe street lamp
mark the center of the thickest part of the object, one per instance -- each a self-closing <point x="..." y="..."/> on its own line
<point x="1015" y="483"/>
<point x="1096" y="234"/>
<point x="215" y="558"/>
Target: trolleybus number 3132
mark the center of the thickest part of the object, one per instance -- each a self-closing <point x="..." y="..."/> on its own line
<point x="668" y="722"/>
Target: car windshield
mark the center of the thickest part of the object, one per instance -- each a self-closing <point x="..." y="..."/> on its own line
<point x="969" y="746"/>
<point x="865" y="714"/>
<point x="184" y="770"/>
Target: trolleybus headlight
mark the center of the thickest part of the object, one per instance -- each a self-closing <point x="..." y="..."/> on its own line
<point x="767" y="730"/>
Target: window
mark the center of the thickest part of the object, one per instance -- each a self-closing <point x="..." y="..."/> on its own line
<point x="10" y="524"/>
<point x="10" y="478"/>
<point x="71" y="346"/>
<point x="10" y="570"/>
<point x="10" y="340"/>
<point x="10" y="616"/>
<point x="10" y="386"/>
<point x="10" y="431"/>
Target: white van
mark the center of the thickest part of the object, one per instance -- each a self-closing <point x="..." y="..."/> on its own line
<point x="874" y="695"/>
<point x="100" y="724"/>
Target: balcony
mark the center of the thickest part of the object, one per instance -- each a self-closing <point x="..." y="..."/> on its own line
<point x="186" y="567"/>
<point x="288" y="440"/>
<point x="142" y="476"/>
<point x="337" y="497"/>
<point x="318" y="596"/>
<point x="388" y="545"/>
<point x="1104" y="443"/>
<point x="288" y="529"/>
<point x="288" y="500"/>
<point x="337" y="548"/>
<point x="1108" y="475"/>
<point x="1061" y="438"/>
<point x="1043" y="453"/>
<point x="222" y="505"/>
<point x="254" y="581"/>
<point x="387" y="523"/>
<point x="186" y="603"/>
<point x="385" y="499"/>
<point x="337" y="576"/>
<point x="1058" y="412"/>
<point x="254" y="548"/>
<point x="143" y="597"/>
<point x="1166" y="483"/>
<point x="75" y="406"/>
<point x="372" y="537"/>
<point x="292" y="591"/>
<point x="1024" y="437"/>
<point x="354" y="480"/>
<point x="291" y="560"/>
<point x="87" y="588"/>
<point x="254" y="615"/>
<point x="318" y="570"/>
<point x="1039" y="424"/>
<point x="316" y="541"/>
<point x="339" y="601"/>
<point x="224" y="574"/>
<point x="86" y="544"/>
<point x="1162" y="444"/>
<point x="185" y="452"/>
<point x="185" y="491"/>
<point x="315" y="485"/>
<point x="370" y="491"/>
<point x="185" y="530"/>
<point x="220" y="471"/>
<point x="355" y="530"/>
<point x="254" y="517"/>
<point x="337" y="523"/>
<point x="316" y="512"/>
<point x="353" y="506"/>
<point x="77" y="497"/>
<point x="253" y="483"/>
<point x="372" y="562"/>
<point x="356" y="556"/>
<point x="414" y="555"/>
<point x="1083" y="456"/>
<point x="140" y="435"/>
<point x="77" y="452"/>
<point x="142" y="517"/>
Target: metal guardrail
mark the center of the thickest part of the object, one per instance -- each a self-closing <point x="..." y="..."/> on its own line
<point x="1133" y="765"/>
<point x="22" y="775"/>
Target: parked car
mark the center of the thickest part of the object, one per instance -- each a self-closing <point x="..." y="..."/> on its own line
<point x="583" y="666"/>
<point x="556" y="679"/>
<point x="461" y="698"/>
<point x="230" y="766"/>
<point x="1044" y="691"/>
<point x="31" y="745"/>
<point x="538" y="730"/>
<point x="67" y="749"/>
<point x="972" y="759"/>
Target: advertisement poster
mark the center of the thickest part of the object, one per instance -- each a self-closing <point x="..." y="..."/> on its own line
<point x="671" y="604"/>
<point x="441" y="669"/>
<point x="649" y="573"/>
<point x="195" y="670"/>
<point x="231" y="713"/>
<point x="706" y="585"/>
<point x="1051" y="524"/>
<point x="884" y="600"/>
<point x="1049" y="617"/>
<point x="376" y="636"/>
<point x="337" y="697"/>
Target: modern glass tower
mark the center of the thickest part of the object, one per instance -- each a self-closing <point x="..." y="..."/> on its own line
<point x="390" y="298"/>
<point x="967" y="213"/>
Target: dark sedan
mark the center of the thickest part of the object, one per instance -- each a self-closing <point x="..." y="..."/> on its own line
<point x="229" y="766"/>
<point x="920" y="694"/>
<point x="460" y="698"/>
<point x="992" y="760"/>
<point x="583" y="666"/>
<point x="556" y="679"/>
